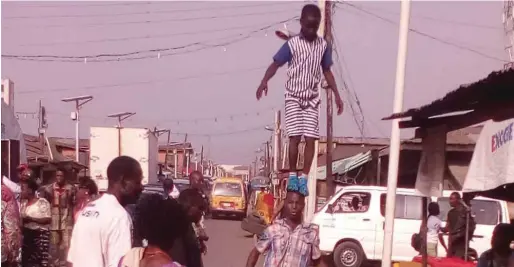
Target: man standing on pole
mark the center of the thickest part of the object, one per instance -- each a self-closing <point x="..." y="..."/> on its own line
<point x="308" y="55"/>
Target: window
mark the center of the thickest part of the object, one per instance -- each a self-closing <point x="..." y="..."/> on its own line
<point x="228" y="190"/>
<point x="407" y="207"/>
<point x="351" y="203"/>
<point x="485" y="211"/>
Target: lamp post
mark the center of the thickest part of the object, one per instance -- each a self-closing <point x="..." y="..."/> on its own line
<point x="121" y="116"/>
<point x="159" y="133"/>
<point x="79" y="102"/>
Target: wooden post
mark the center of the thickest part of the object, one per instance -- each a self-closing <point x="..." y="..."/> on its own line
<point x="328" y="37"/>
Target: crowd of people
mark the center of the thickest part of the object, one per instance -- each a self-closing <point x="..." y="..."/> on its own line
<point x="62" y="224"/>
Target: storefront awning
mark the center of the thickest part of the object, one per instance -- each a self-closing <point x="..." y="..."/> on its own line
<point x="344" y="165"/>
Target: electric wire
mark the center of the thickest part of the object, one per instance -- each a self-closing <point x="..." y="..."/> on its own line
<point x="110" y="57"/>
<point x="136" y="83"/>
<point x="152" y="12"/>
<point x="135" y="22"/>
<point x="143" y="37"/>
<point x="434" y="38"/>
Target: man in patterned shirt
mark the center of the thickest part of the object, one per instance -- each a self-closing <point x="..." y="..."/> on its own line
<point x="308" y="57"/>
<point x="289" y="242"/>
<point x="61" y="196"/>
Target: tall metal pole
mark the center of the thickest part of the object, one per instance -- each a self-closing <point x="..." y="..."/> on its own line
<point x="310" y="208"/>
<point x="167" y="149"/>
<point x="79" y="102"/>
<point x="394" y="155"/>
<point x="77" y="129"/>
<point x="330" y="130"/>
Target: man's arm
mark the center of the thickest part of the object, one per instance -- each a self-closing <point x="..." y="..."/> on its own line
<point x="263" y="243"/>
<point x="326" y="64"/>
<point x="253" y="258"/>
<point x="283" y="56"/>
<point x="316" y="251"/>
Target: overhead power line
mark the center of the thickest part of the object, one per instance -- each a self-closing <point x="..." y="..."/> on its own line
<point x="86" y="5"/>
<point x="151" y="12"/>
<point x="133" y="83"/>
<point x="143" y="54"/>
<point x="440" y="20"/>
<point x="143" y="37"/>
<point x="102" y="24"/>
<point x="215" y="119"/>
<point x="426" y="34"/>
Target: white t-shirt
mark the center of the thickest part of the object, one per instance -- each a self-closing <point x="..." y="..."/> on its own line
<point x="434" y="227"/>
<point x="101" y="235"/>
<point x="174" y="193"/>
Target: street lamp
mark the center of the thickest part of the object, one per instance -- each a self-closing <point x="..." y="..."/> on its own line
<point x="159" y="133"/>
<point x="121" y="116"/>
<point x="79" y="102"/>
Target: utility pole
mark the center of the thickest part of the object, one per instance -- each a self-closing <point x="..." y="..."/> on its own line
<point x="330" y="130"/>
<point x="184" y="157"/>
<point x="311" y="201"/>
<point x="121" y="116"/>
<point x="79" y="102"/>
<point x="159" y="132"/>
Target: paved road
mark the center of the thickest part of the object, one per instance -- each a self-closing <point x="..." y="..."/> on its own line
<point x="228" y="245"/>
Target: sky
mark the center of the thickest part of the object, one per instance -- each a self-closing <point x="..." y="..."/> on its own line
<point x="214" y="54"/>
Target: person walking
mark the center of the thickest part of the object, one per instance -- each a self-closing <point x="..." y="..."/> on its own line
<point x="104" y="226"/>
<point x="160" y="222"/>
<point x="308" y="56"/>
<point x="189" y="246"/>
<point x="289" y="242"/>
<point x="36" y="217"/>
<point x="61" y="196"/>
<point x="197" y="183"/>
<point x="434" y="235"/>
<point x="11" y="230"/>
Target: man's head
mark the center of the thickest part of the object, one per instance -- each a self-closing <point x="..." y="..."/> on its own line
<point x="167" y="185"/>
<point x="60" y="179"/>
<point x="293" y="206"/>
<point x="455" y="199"/>
<point x="310" y="20"/>
<point x="196" y="180"/>
<point x="193" y="203"/>
<point x="124" y="176"/>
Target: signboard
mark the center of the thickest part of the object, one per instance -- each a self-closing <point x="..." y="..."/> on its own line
<point x="491" y="165"/>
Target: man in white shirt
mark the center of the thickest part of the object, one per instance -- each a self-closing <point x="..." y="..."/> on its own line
<point x="103" y="231"/>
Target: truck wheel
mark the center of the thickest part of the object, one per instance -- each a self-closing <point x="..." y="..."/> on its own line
<point x="348" y="254"/>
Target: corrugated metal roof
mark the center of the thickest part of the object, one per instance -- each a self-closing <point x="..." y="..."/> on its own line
<point x="493" y="90"/>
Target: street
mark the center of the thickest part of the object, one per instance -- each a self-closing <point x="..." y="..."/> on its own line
<point x="228" y="244"/>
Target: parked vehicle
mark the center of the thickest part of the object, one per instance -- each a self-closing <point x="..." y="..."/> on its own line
<point x="228" y="197"/>
<point x="107" y="143"/>
<point x="352" y="223"/>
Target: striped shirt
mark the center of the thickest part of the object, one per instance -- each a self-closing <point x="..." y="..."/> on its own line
<point x="305" y="63"/>
<point x="288" y="247"/>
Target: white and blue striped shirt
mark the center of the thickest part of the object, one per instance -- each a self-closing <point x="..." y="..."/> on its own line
<point x="306" y="61"/>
